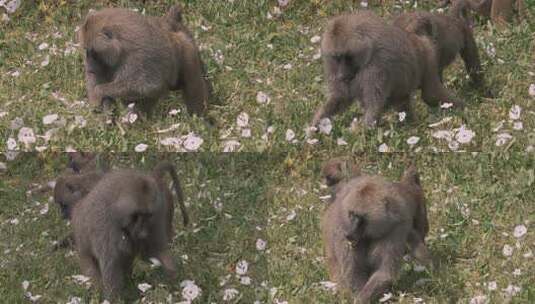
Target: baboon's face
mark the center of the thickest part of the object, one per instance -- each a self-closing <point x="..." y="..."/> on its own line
<point x="66" y="197"/>
<point x="355" y="226"/>
<point x="102" y="43"/>
<point x="342" y="66"/>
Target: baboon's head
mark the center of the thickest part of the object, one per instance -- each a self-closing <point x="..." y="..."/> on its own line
<point x="370" y="211"/>
<point x="79" y="161"/>
<point x="344" y="50"/>
<point x="139" y="208"/>
<point x="101" y="36"/>
<point x="66" y="194"/>
<point x="338" y="169"/>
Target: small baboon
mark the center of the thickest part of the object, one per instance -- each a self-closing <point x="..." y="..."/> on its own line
<point x="71" y="188"/>
<point x="378" y="64"/>
<point x="133" y="57"/>
<point x="500" y="12"/>
<point x="451" y="35"/>
<point x="367" y="228"/>
<point x="338" y="169"/>
<point x="124" y="216"/>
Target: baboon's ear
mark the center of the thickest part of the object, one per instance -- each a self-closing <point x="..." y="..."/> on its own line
<point x="411" y="176"/>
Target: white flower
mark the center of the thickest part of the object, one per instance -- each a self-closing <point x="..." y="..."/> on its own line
<point x="262" y="98"/>
<point x="531" y="90"/>
<point x="341" y="142"/>
<point x="190" y="291"/>
<point x="312" y="141"/>
<point x="364" y="4"/>
<point x="514" y="112"/>
<point x="229" y="294"/>
<point x="80" y="279"/>
<point x="245" y="280"/>
<point x="75" y="300"/>
<point x="141" y="148"/>
<point x="290" y="135"/>
<point x="26" y="136"/>
<point x="325" y="126"/>
<point x="174" y="112"/>
<point x="328" y="285"/>
<point x="283" y="3"/>
<point x="11" y="144"/>
<point x="517" y="272"/>
<point x="144" y="287"/>
<point x="246" y="133"/>
<point x="155" y="262"/>
<point x="130" y="118"/>
<point x="43" y="46"/>
<point x="492" y="286"/>
<point x="44" y="210"/>
<point x="231" y="145"/>
<point x="479" y="300"/>
<point x="446" y="105"/>
<point x="14" y="221"/>
<point x="383" y="148"/>
<point x="315" y="39"/>
<point x="507" y="250"/>
<point x="287" y="66"/>
<point x="192" y="142"/>
<point x="291" y="216"/>
<point x="260" y="245"/>
<point x="519" y="231"/>
<point x="243" y="120"/>
<point x="402" y="116"/>
<point x="443" y="134"/>
<point x="46" y="61"/>
<point x="12" y="6"/>
<point x="511" y="290"/>
<point x="502" y="139"/>
<point x="25" y="285"/>
<point x="386" y="297"/>
<point x="242" y="267"/>
<point x="413" y="140"/>
<point x="464" y="135"/>
<point x="48" y="119"/>
<point x="518" y="125"/>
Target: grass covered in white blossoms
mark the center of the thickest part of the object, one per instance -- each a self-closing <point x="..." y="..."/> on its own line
<point x="264" y="63"/>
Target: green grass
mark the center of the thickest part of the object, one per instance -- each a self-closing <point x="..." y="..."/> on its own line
<point x="260" y="190"/>
<point x="255" y="51"/>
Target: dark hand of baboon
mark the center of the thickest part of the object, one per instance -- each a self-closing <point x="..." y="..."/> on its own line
<point x="379" y="65"/>
<point x="134" y="58"/>
<point x="367" y="228"/>
<point x="451" y="35"/>
<point x="124" y="216"/>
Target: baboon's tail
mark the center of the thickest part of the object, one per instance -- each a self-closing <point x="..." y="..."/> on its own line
<point x="166" y="166"/>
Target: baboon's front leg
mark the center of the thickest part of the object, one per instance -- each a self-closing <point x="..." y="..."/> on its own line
<point x="471" y="59"/>
<point x="196" y="89"/>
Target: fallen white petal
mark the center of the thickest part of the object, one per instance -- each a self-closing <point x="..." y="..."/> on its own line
<point x="144" y="287"/>
<point x="141" y="148"/>
<point x="242" y="120"/>
<point x="48" y="119"/>
<point x="413" y="140"/>
<point x="520" y="231"/>
<point x="325" y="126"/>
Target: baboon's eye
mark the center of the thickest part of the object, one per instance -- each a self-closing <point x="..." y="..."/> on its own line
<point x="107" y="32"/>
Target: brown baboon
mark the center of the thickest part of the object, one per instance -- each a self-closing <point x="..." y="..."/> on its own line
<point x="132" y="57"/>
<point x="379" y="65"/>
<point x="71" y="188"/>
<point x="451" y="35"/>
<point x="124" y="216"/>
<point x="499" y="11"/>
<point x="367" y="228"/>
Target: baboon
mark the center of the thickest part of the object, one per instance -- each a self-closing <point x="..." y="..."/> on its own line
<point x="378" y="64"/>
<point x="125" y="215"/>
<point x="338" y="169"/>
<point x="132" y="57"/>
<point x="71" y="188"/>
<point x="367" y="228"/>
<point x="499" y="11"/>
<point x="451" y="35"/>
